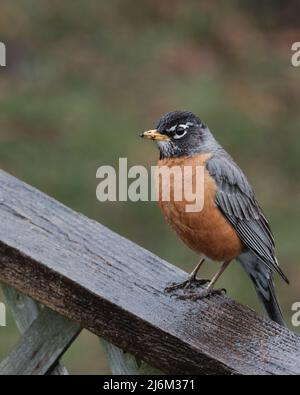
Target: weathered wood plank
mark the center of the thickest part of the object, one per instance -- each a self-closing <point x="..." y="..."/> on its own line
<point x="41" y="346"/>
<point x="115" y="289"/>
<point x="123" y="363"/>
<point x="25" y="311"/>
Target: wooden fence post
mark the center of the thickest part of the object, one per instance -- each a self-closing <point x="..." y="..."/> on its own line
<point x="25" y="311"/>
<point x="98" y="280"/>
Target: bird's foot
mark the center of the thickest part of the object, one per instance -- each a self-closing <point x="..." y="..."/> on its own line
<point x="190" y="283"/>
<point x="202" y="294"/>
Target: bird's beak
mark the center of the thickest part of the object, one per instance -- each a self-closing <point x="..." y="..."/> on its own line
<point x="154" y="135"/>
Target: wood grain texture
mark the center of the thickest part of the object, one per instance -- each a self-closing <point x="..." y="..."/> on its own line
<point x="123" y="363"/>
<point x="25" y="311"/>
<point x="115" y="289"/>
<point x="41" y="346"/>
<point x="120" y="362"/>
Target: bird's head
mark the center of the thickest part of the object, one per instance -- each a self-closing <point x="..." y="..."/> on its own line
<point x="179" y="133"/>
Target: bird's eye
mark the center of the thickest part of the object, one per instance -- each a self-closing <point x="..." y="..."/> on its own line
<point x="180" y="132"/>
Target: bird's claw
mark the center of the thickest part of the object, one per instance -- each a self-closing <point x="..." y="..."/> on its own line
<point x="202" y="294"/>
<point x="190" y="283"/>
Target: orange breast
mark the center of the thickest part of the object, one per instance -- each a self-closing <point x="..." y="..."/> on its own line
<point x="207" y="232"/>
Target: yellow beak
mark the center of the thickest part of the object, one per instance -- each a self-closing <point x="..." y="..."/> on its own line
<point x="154" y="135"/>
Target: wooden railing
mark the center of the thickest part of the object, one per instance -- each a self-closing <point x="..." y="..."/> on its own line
<point x="77" y="274"/>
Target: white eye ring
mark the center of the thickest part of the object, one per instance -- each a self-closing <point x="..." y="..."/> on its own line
<point x="177" y="136"/>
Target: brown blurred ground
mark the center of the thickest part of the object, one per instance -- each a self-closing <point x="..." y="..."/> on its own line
<point x="83" y="78"/>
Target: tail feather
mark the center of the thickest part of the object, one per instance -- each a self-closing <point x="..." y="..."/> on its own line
<point x="261" y="277"/>
<point x="269" y="301"/>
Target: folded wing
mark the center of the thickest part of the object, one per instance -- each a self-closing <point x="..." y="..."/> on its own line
<point x="237" y="201"/>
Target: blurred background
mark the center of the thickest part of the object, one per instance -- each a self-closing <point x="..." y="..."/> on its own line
<point x="84" y="78"/>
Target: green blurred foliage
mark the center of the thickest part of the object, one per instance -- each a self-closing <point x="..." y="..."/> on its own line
<point x="84" y="78"/>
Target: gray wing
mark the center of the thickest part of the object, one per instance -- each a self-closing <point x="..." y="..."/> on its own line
<point x="237" y="201"/>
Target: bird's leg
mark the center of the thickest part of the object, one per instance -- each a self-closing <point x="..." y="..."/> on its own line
<point x="218" y="275"/>
<point x="209" y="290"/>
<point x="191" y="280"/>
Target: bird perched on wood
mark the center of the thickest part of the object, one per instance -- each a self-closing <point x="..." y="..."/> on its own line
<point x="231" y="224"/>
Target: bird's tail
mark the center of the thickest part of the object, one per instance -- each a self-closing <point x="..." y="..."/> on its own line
<point x="261" y="277"/>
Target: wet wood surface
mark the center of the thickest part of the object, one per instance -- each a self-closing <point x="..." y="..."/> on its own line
<point x="25" y="311"/>
<point x="41" y="346"/>
<point x="115" y="289"/>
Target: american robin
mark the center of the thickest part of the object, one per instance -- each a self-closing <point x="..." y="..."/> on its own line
<point x="231" y="224"/>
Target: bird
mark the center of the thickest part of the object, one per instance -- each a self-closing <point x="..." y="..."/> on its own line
<point x="231" y="225"/>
